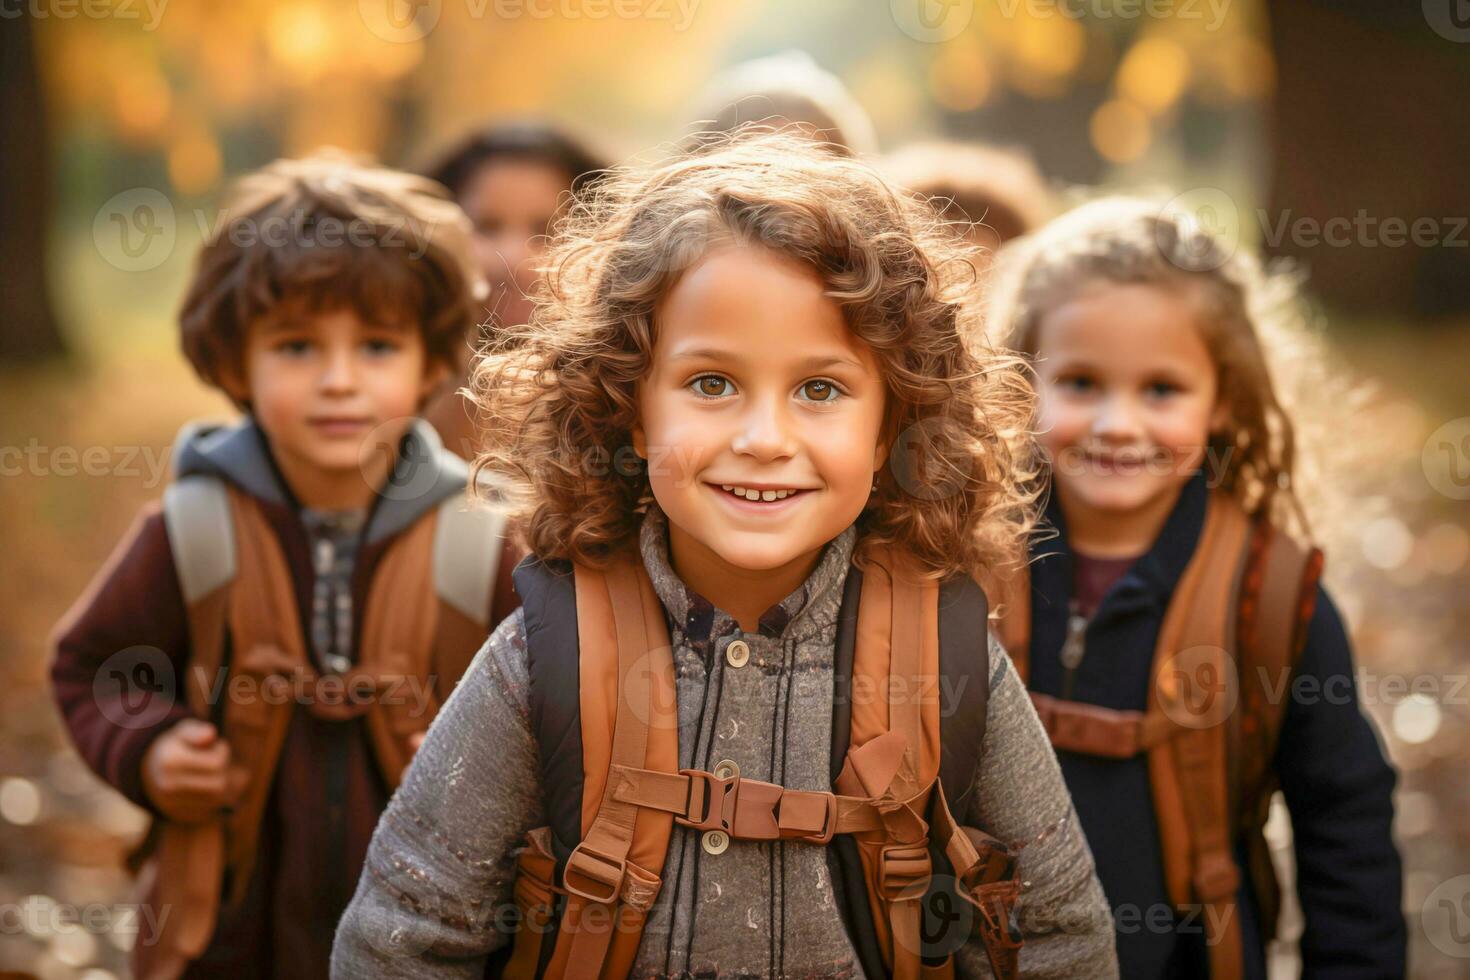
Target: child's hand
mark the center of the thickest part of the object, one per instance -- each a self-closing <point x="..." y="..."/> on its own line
<point x="186" y="772"/>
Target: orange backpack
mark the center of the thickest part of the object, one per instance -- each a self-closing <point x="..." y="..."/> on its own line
<point x="585" y="910"/>
<point x="1231" y="635"/>
<point x="426" y="617"/>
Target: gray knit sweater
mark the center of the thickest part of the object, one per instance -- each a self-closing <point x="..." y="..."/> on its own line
<point x="435" y="894"/>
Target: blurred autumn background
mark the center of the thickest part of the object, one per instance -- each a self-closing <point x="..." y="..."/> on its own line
<point x="1296" y="112"/>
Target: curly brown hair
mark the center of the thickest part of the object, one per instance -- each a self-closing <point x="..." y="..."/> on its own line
<point x="328" y="232"/>
<point x="1248" y="315"/>
<point x="558" y="396"/>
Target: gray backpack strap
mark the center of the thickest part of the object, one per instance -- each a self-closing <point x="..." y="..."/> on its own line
<point x="201" y="534"/>
<point x="467" y="543"/>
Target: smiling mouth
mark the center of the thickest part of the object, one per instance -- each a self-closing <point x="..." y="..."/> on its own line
<point x="761" y="495"/>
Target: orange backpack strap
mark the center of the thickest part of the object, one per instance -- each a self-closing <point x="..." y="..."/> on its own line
<point x="1193" y="683"/>
<point x="629" y="719"/>
<point x="393" y="675"/>
<point x="1278" y="598"/>
<point x="184" y="863"/>
<point x="897" y="652"/>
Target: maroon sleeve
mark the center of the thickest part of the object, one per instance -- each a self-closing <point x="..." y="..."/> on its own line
<point x="118" y="653"/>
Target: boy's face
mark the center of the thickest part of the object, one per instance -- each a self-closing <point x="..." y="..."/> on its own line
<point x="1127" y="392"/>
<point x="320" y="384"/>
<point x="758" y="391"/>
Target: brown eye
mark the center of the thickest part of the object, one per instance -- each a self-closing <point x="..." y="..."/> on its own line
<point x="712" y="386"/>
<point x="819" y="391"/>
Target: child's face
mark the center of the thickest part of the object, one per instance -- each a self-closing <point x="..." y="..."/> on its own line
<point x="757" y="384"/>
<point x="511" y="203"/>
<point x="320" y="384"/>
<point x="1127" y="392"/>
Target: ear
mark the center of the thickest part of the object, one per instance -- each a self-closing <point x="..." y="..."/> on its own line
<point x="436" y="372"/>
<point x="232" y="381"/>
<point x="640" y="441"/>
<point x="1221" y="418"/>
<point x="880" y="454"/>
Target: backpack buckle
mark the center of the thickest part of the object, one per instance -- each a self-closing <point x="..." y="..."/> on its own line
<point x="711" y="801"/>
<point x="904" y="871"/>
<point x="588" y="870"/>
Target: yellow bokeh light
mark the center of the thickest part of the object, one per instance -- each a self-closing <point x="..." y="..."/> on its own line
<point x="960" y="78"/>
<point x="1153" y="74"/>
<point x="300" y="38"/>
<point x="1120" y="131"/>
<point x="1050" y="45"/>
<point x="142" y="103"/>
<point x="194" y="162"/>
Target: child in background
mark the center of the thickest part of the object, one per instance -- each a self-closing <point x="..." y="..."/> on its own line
<point x="990" y="195"/>
<point x="749" y="423"/>
<point x="511" y="179"/>
<point x="1173" y="616"/>
<point x="258" y="659"/>
<point x="783" y="92"/>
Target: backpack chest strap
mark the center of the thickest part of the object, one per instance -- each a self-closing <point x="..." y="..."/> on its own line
<point x="746" y="809"/>
<point x="1089" y="729"/>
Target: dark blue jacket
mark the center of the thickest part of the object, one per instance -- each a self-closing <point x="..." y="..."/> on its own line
<point x="1337" y="784"/>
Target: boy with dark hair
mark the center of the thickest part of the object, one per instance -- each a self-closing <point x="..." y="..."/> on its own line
<point x="260" y="657"/>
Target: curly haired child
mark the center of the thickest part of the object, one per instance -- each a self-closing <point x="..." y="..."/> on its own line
<point x="746" y="422"/>
<point x="1178" y="645"/>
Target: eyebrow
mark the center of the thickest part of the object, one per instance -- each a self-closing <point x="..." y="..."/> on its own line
<point x="814" y="363"/>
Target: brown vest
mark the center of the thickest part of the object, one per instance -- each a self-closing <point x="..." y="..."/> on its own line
<point x="1232" y="633"/>
<point x="888" y="795"/>
<point x="414" y="647"/>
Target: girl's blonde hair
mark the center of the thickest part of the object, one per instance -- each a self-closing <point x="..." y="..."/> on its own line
<point x="1249" y="317"/>
<point x="558" y="397"/>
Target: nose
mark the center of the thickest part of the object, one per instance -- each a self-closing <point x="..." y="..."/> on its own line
<point x="765" y="432"/>
<point x="1117" y="419"/>
<point x="339" y="371"/>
